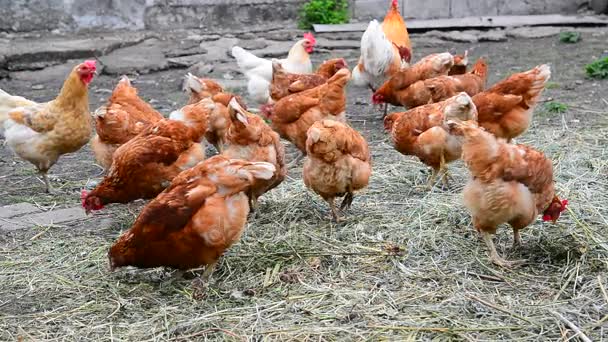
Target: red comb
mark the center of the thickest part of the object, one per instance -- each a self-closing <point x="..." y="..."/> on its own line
<point x="308" y="36"/>
<point x="547" y="218"/>
<point x="564" y="204"/>
<point x="83" y="197"/>
<point x="395" y="3"/>
<point x="91" y="63"/>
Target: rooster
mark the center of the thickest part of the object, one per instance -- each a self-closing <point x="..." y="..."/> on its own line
<point x="41" y="132"/>
<point x="259" y="70"/>
<point x="385" y="49"/>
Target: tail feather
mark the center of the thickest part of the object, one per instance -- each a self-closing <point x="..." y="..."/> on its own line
<point x="192" y="84"/>
<point x="541" y="75"/>
<point x="260" y="170"/>
<point x="7" y="104"/>
<point x="443" y="61"/>
<point x="245" y="59"/>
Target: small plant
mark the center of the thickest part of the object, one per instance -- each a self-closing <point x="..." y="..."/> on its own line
<point x="556" y="107"/>
<point x="323" y="12"/>
<point x="598" y="69"/>
<point x="569" y="37"/>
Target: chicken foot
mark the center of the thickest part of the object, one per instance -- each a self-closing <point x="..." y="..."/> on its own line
<point x="432" y="179"/>
<point x="201" y="283"/>
<point x="443" y="168"/>
<point x="516" y="238"/>
<point x="47" y="183"/>
<point x="497" y="259"/>
<point x="334" y="210"/>
<point x="445" y="175"/>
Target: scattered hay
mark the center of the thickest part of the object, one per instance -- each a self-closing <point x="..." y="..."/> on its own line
<point x="407" y="263"/>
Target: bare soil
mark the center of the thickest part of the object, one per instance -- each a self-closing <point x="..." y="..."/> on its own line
<point x="407" y="264"/>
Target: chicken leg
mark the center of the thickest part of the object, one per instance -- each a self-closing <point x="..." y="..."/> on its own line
<point x="432" y="179"/>
<point x="443" y="167"/>
<point x="201" y="283"/>
<point x="334" y="210"/>
<point x="497" y="259"/>
<point x="516" y="238"/>
<point x="47" y="183"/>
<point x="347" y="201"/>
<point x="253" y="203"/>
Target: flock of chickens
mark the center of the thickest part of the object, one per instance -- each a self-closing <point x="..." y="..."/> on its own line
<point x="199" y="206"/>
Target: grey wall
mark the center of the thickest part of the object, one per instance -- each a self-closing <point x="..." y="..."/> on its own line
<point x="427" y="9"/>
<point x="30" y="15"/>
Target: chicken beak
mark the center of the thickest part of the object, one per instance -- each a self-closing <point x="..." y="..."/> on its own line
<point x="87" y="211"/>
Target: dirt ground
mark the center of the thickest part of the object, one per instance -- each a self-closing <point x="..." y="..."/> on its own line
<point x="407" y="264"/>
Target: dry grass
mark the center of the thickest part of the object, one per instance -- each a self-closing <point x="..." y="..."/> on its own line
<point x="407" y="265"/>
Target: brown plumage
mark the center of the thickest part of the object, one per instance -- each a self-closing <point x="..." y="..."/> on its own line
<point x="441" y="88"/>
<point x="146" y="164"/>
<point x="506" y="109"/>
<point x="219" y="119"/>
<point x="421" y="132"/>
<point x="284" y="83"/>
<point x="204" y="88"/>
<point x="293" y="115"/>
<point x="510" y="184"/>
<point x="195" y="220"/>
<point x="123" y="117"/>
<point x="395" y="30"/>
<point x="430" y="66"/>
<point x="41" y="132"/>
<point x="338" y="163"/>
<point x="250" y="138"/>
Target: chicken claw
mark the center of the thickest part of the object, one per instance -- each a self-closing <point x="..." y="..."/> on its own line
<point x="516" y="239"/>
<point x="201" y="284"/>
<point x="432" y="179"/>
<point x="497" y="259"/>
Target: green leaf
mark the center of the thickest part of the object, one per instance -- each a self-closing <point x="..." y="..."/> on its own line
<point x="569" y="37"/>
<point x="598" y="69"/>
<point x="323" y="12"/>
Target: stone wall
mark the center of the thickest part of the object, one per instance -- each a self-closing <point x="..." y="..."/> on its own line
<point x="31" y="15"/>
<point x="427" y="9"/>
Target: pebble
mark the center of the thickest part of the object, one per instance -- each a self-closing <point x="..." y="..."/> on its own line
<point x="38" y="86"/>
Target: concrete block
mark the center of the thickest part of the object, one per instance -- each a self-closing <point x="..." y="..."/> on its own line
<point x="25" y="215"/>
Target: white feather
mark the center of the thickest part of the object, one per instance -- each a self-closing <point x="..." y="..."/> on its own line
<point x="192" y="84"/>
<point x="259" y="71"/>
<point x="377" y="55"/>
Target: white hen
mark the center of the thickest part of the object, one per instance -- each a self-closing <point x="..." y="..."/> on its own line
<point x="259" y="70"/>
